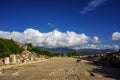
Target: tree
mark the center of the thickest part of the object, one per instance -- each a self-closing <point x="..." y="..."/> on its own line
<point x="44" y="52"/>
<point x="29" y="45"/>
<point x="72" y="53"/>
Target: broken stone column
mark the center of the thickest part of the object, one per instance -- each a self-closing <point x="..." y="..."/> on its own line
<point x="13" y="58"/>
<point x="7" y="61"/>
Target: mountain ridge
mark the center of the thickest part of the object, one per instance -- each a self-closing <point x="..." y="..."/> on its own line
<point x="79" y="51"/>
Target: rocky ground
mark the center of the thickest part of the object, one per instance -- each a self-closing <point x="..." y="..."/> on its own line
<point x="60" y="68"/>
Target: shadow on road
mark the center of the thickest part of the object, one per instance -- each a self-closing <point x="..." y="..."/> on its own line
<point x="106" y="71"/>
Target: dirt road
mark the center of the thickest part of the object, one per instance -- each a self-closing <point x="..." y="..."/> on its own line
<point x="54" y="69"/>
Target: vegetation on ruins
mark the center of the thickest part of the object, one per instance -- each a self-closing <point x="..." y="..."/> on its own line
<point x="44" y="52"/>
<point x="8" y="47"/>
<point x="29" y="45"/>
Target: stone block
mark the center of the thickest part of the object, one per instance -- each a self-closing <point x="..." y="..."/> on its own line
<point x="13" y="59"/>
<point x="6" y="60"/>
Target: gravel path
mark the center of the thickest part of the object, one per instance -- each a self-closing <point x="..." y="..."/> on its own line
<point x="54" y="69"/>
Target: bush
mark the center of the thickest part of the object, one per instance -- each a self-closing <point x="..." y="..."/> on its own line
<point x="8" y="47"/>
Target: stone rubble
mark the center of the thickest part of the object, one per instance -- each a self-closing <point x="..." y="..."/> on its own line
<point x="24" y="57"/>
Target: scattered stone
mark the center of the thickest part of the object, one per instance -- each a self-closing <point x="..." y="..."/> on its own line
<point x="95" y="74"/>
<point x="78" y="60"/>
<point x="31" y="58"/>
<point x="98" y="75"/>
<point x="1" y="72"/>
<point x="92" y="74"/>
<point x="24" y="61"/>
<point x="16" y="73"/>
<point x="52" y="74"/>
<point x="86" y="73"/>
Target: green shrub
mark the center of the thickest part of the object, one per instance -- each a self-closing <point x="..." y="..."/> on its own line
<point x="8" y="47"/>
<point x="44" y="52"/>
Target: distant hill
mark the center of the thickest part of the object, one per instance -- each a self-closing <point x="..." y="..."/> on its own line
<point x="80" y="51"/>
<point x="8" y="47"/>
<point x="57" y="50"/>
<point x="94" y="51"/>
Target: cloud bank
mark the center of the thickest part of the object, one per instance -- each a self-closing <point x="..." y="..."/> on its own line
<point x="92" y="5"/>
<point x="50" y="39"/>
<point x="55" y="39"/>
<point x="98" y="46"/>
<point x="116" y="36"/>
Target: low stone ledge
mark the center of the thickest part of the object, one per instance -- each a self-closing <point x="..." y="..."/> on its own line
<point x="21" y="64"/>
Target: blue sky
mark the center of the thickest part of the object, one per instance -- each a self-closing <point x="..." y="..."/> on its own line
<point x="99" y="18"/>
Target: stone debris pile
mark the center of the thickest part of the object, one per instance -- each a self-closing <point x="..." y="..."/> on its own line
<point x="25" y="56"/>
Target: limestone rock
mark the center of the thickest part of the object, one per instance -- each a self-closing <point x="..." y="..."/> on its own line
<point x="7" y="61"/>
<point x="13" y="58"/>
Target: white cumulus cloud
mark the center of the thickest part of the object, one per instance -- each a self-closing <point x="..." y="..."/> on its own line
<point x="92" y="5"/>
<point x="96" y="40"/>
<point x="97" y="46"/>
<point x="50" y="39"/>
<point x="56" y="38"/>
<point x="116" y="46"/>
<point x="116" y="36"/>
